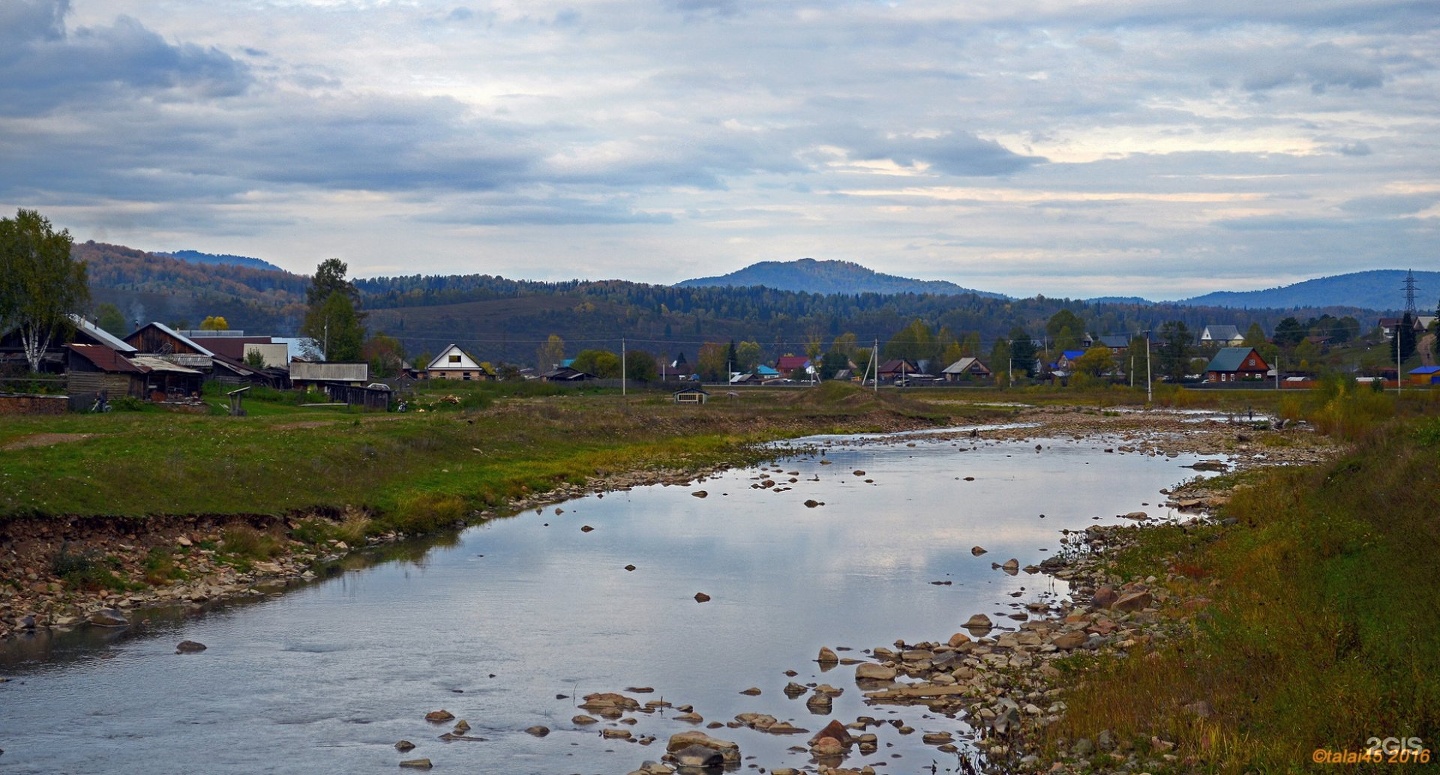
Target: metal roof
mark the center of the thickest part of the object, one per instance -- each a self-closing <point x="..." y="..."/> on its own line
<point x="1231" y="359"/>
<point x="101" y="335"/>
<point x="105" y="359"/>
<point x="156" y="363"/>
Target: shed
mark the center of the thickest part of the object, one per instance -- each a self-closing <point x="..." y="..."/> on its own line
<point x="566" y="374"/>
<point x="303" y="374"/>
<point x="96" y="369"/>
<point x="1232" y="364"/>
<point x="691" y="395"/>
<point x="374" y="397"/>
<point x="166" y="380"/>
<point x="1425" y="375"/>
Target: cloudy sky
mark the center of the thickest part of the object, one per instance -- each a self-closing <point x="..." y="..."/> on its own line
<point x="1162" y="148"/>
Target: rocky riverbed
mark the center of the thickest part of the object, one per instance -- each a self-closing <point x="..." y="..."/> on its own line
<point x="979" y="695"/>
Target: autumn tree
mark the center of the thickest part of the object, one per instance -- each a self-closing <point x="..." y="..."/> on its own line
<point x="385" y="354"/>
<point x="747" y="355"/>
<point x="214" y="323"/>
<point x="1096" y="362"/>
<point x="551" y="354"/>
<point x="710" y="362"/>
<point x="40" y="284"/>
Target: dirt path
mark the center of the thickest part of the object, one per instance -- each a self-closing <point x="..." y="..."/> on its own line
<point x="45" y="440"/>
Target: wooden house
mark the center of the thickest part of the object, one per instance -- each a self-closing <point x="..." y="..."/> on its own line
<point x="161" y="340"/>
<point x="455" y="363"/>
<point x="966" y="368"/>
<point x="1233" y="364"/>
<point x="94" y="369"/>
<point x="896" y="368"/>
<point x="56" y="358"/>
<point x="1222" y="336"/>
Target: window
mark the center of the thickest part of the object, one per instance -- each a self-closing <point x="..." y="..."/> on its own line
<point x="453" y="359"/>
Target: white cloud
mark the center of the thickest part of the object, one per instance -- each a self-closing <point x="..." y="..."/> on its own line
<point x="1047" y="147"/>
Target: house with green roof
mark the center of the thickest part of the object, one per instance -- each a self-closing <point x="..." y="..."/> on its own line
<point x="1233" y="364"/>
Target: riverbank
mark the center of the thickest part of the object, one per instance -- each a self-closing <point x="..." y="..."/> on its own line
<point x="243" y="507"/>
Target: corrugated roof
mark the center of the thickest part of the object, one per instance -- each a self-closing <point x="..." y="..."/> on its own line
<point x="105" y="359"/>
<point x="1230" y="359"/>
<point x="156" y="363"/>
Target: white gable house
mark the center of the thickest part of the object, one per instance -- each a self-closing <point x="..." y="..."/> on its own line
<point x="455" y="363"/>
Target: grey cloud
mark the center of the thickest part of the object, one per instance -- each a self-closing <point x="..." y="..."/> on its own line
<point x="1355" y="149"/>
<point x="47" y="67"/>
<point x="704" y="7"/>
<point x="555" y="211"/>
<point x="1406" y="204"/>
<point x="1320" y="66"/>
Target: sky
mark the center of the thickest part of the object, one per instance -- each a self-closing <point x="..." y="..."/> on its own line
<point x="1162" y="148"/>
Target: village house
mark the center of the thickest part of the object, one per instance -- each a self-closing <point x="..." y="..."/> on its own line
<point x="966" y="368"/>
<point x="56" y="358"/>
<point x="1233" y="364"/>
<point x="567" y="374"/>
<point x="896" y="368"/>
<point x="1222" y="336"/>
<point x="95" y="370"/>
<point x="455" y="363"/>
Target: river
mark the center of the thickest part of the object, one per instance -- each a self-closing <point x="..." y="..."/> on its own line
<point x="509" y="623"/>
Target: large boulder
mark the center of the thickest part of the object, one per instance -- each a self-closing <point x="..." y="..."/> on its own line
<point x="871" y="671"/>
<point x="1134" y="601"/>
<point x="730" y="752"/>
<point x="109" y="617"/>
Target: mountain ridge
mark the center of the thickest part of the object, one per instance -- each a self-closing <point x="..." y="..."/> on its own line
<point x="826" y="277"/>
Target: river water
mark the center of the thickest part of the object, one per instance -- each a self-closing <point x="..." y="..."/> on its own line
<point x="509" y="623"/>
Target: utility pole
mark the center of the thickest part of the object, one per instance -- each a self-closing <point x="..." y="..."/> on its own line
<point x="622" y="367"/>
<point x="1149" y="380"/>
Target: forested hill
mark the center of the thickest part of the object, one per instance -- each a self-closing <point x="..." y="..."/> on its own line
<point x="148" y="286"/>
<point x="507" y="320"/>
<point x="1379" y="289"/>
<point x="807" y="275"/>
<point x="196" y="257"/>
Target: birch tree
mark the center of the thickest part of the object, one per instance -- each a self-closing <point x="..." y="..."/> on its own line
<point x="40" y="284"/>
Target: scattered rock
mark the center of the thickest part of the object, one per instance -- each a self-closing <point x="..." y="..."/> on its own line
<point x="835" y="731"/>
<point x="417" y="764"/>
<point x="753" y="691"/>
<point x="810" y="504"/>
<point x="978" y="550"/>
<point x="537" y="730"/>
<point x="630" y="567"/>
<point x="584" y="720"/>
<point x="828" y="656"/>
<point x="586" y="528"/>
<point x="404" y="745"/>
<point x="729" y="752"/>
<point x="700" y="494"/>
<point x="701" y="597"/>
<point x="979" y="622"/>
<point x="108" y="617"/>
<point x="1134" y="601"/>
<point x="189" y="647"/>
<point x="461" y="727"/>
<point x="439" y="716"/>
<point x="1011" y="565"/>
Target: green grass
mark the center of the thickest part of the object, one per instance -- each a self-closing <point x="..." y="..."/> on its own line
<point x="1325" y="624"/>
<point x="419" y="469"/>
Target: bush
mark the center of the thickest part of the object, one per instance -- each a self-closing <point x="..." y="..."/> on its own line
<point x="246" y="542"/>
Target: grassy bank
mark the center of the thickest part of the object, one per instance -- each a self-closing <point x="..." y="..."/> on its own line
<point x="471" y="448"/>
<point x="1323" y="627"/>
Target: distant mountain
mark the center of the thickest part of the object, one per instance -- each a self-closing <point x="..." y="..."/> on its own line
<point x="1378" y="289"/>
<point x="1119" y="300"/>
<point x="828" y="277"/>
<point x="196" y="257"/>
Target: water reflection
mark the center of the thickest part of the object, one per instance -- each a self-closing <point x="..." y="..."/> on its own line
<point x="508" y="624"/>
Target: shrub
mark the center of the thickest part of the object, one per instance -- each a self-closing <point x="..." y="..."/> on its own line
<point x="248" y="543"/>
